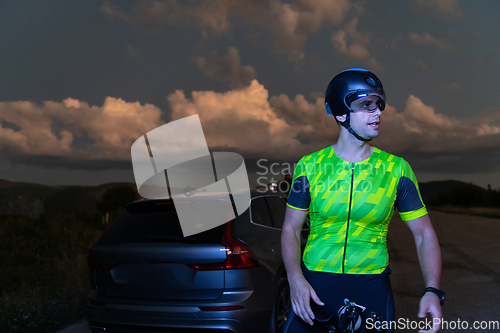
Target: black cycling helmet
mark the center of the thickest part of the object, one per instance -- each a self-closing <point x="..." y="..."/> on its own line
<point x="348" y="86"/>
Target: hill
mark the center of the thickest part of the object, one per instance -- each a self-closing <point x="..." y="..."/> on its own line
<point x="456" y="193"/>
<point x="18" y="198"/>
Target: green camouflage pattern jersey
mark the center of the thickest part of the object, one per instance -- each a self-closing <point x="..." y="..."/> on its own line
<point x="350" y="206"/>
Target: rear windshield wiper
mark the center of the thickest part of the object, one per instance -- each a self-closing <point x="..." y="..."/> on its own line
<point x="162" y="238"/>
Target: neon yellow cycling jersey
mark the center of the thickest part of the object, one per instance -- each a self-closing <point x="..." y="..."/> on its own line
<point x="350" y="206"/>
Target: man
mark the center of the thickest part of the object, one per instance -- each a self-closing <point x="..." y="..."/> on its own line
<point x="350" y="190"/>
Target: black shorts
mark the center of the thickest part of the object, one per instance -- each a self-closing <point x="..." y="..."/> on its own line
<point x="372" y="291"/>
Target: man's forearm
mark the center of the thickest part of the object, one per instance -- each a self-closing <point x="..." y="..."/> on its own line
<point x="290" y="245"/>
<point x="429" y="256"/>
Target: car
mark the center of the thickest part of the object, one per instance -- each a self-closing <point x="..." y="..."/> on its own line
<point x="146" y="276"/>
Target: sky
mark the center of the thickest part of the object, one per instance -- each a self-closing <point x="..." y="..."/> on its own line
<point x="80" y="81"/>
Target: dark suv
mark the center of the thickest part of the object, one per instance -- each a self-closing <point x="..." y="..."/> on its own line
<point x="145" y="276"/>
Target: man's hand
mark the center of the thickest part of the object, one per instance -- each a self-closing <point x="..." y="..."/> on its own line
<point x="301" y="293"/>
<point x="430" y="304"/>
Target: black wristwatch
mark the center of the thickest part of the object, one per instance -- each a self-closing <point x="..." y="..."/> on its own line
<point x="437" y="292"/>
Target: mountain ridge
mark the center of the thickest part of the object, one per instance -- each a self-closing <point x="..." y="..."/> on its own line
<point x="67" y="198"/>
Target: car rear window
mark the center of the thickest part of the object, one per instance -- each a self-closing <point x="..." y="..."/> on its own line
<point x="260" y="212"/>
<point x="277" y="208"/>
<point x="154" y="222"/>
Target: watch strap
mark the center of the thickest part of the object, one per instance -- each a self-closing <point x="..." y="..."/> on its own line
<point x="438" y="292"/>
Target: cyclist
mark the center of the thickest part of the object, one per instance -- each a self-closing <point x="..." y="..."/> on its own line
<point x="350" y="190"/>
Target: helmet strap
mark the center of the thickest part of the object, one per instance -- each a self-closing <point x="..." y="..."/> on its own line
<point x="347" y="125"/>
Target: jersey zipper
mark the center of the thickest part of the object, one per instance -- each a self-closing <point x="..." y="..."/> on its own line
<point x="348" y="218"/>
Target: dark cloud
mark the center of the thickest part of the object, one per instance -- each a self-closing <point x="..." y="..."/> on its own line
<point x="306" y="138"/>
<point x="442" y="9"/>
<point x="51" y="162"/>
<point x="427" y="39"/>
<point x="132" y="52"/>
<point x="349" y="41"/>
<point x="225" y="65"/>
<point x="289" y="23"/>
<point x="456" y="163"/>
<point x="146" y="14"/>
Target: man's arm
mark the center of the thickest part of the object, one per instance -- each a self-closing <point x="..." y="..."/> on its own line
<point x="429" y="256"/>
<point x="301" y="291"/>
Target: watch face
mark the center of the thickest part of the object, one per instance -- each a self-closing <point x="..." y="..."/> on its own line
<point x="440" y="294"/>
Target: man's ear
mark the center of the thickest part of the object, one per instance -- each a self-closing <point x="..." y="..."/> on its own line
<point x="341" y="118"/>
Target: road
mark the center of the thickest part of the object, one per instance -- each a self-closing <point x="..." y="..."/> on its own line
<point x="471" y="271"/>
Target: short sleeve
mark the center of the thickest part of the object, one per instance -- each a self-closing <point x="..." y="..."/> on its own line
<point x="299" y="197"/>
<point x="408" y="200"/>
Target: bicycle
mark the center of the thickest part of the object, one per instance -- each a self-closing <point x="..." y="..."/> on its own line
<point x="349" y="319"/>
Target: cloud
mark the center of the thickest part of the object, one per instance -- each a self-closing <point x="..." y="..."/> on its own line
<point x="53" y="129"/>
<point x="419" y="129"/>
<point x="290" y="23"/>
<point x="248" y="121"/>
<point x="132" y="52"/>
<point x="443" y="9"/>
<point x="225" y="65"/>
<point x="354" y="44"/>
<point x="252" y="122"/>
<point x="427" y="39"/>
<point x="423" y="65"/>
<point x="309" y="118"/>
<point x="245" y="120"/>
<point x="147" y="14"/>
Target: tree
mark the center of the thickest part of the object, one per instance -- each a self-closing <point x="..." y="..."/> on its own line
<point x="113" y="201"/>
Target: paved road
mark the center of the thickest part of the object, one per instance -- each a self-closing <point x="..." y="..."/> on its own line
<point x="471" y="270"/>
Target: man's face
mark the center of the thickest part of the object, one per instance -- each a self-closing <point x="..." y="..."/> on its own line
<point x="365" y="117"/>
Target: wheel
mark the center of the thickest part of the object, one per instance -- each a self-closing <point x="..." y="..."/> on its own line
<point x="281" y="307"/>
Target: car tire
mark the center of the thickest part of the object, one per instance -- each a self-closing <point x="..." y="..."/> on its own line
<point x="281" y="307"/>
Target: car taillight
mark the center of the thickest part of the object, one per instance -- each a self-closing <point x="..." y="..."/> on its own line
<point x="238" y="254"/>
